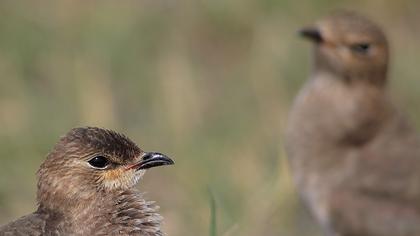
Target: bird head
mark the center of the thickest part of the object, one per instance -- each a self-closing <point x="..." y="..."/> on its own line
<point x="90" y="161"/>
<point x="349" y="45"/>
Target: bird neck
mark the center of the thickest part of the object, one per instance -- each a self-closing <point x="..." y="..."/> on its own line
<point x="123" y="211"/>
<point x="347" y="111"/>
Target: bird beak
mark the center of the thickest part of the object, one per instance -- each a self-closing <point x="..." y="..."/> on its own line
<point x="152" y="159"/>
<point x="311" y="33"/>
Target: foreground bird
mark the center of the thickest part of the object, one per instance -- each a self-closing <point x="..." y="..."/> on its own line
<point x="85" y="187"/>
<point x="354" y="157"/>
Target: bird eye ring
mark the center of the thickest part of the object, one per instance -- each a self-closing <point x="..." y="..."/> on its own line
<point x="99" y="162"/>
<point x="360" y="47"/>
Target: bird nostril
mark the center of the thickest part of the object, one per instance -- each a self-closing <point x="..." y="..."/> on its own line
<point x="147" y="156"/>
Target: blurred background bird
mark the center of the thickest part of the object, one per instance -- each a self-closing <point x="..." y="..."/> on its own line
<point x="210" y="82"/>
<point x="86" y="187"/>
<point x="354" y="156"/>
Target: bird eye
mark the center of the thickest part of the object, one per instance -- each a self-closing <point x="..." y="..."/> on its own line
<point x="360" y="47"/>
<point x="99" y="162"/>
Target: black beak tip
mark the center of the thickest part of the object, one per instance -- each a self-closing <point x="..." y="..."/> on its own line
<point x="154" y="159"/>
<point x="170" y="162"/>
<point x="311" y="33"/>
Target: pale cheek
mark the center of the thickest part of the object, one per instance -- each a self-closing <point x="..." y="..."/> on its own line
<point x="120" y="178"/>
<point x="379" y="57"/>
<point x="343" y="54"/>
<point x="334" y="55"/>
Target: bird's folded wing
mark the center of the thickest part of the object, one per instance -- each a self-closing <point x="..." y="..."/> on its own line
<point x="30" y="225"/>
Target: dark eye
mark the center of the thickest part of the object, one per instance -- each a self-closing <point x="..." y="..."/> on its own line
<point x="360" y="47"/>
<point x="99" y="162"/>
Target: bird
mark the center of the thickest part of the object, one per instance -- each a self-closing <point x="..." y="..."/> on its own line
<point x="353" y="154"/>
<point x="86" y="187"/>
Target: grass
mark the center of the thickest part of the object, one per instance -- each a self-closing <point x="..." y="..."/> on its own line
<point x="207" y="82"/>
<point x="213" y="214"/>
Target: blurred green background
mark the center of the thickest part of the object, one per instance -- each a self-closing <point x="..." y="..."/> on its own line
<point x="208" y="82"/>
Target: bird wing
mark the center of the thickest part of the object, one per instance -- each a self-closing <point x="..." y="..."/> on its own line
<point x="390" y="165"/>
<point x="384" y="197"/>
<point x="30" y="225"/>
